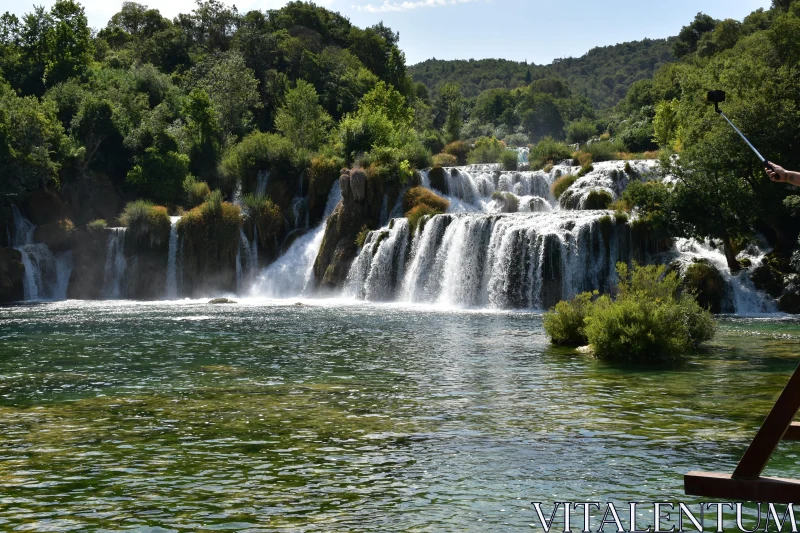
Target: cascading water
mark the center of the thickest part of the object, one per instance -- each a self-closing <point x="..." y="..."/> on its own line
<point x="262" y="180"/>
<point x="46" y="274"/>
<point x="114" y="286"/>
<point x="491" y="260"/>
<point x="172" y="260"/>
<point x="744" y="298"/>
<point x="291" y="274"/>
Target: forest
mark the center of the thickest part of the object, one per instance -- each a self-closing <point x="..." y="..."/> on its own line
<point x="151" y="116"/>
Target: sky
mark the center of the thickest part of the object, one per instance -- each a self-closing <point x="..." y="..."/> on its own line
<point x="536" y="31"/>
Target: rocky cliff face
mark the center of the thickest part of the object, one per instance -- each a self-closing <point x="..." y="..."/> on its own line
<point x="358" y="207"/>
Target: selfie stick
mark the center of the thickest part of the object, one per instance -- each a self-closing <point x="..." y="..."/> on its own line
<point x="719" y="96"/>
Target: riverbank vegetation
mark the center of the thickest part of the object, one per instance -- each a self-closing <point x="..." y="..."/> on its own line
<point x="647" y="318"/>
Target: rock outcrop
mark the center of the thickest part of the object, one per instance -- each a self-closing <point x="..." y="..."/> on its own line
<point x="12" y="272"/>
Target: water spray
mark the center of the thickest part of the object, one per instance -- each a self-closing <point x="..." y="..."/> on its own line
<point x="718" y="97"/>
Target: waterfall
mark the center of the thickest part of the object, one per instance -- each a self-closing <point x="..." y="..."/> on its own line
<point x="262" y="180"/>
<point x="46" y="274"/>
<point x="114" y="286"/>
<point x="172" y="260"/>
<point x="291" y="274"/>
<point x="491" y="260"/>
<point x="745" y="299"/>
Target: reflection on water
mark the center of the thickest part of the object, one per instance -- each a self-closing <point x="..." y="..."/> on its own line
<point x="262" y="417"/>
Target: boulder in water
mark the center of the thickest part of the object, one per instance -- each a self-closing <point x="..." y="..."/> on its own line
<point x="437" y="178"/>
<point x="12" y="273"/>
<point x="217" y="301"/>
<point x="707" y="284"/>
<point x="766" y="278"/>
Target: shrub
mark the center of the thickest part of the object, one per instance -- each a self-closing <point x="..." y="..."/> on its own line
<point x="510" y="202"/>
<point x="647" y="321"/>
<point x="211" y="231"/>
<point x="416" y="154"/>
<point x="159" y="175"/>
<point x="585" y="169"/>
<point x="548" y="150"/>
<point x="444" y="160"/>
<point x="96" y="225"/>
<point x="564" y="324"/>
<point x="580" y="131"/>
<point x="519" y="140"/>
<point x="261" y="151"/>
<point x="604" y="150"/>
<point x="509" y="159"/>
<point x="417" y="196"/>
<point x="145" y="220"/>
<point x="322" y="174"/>
<point x="416" y="215"/>
<point x="597" y="199"/>
<point x="458" y="149"/>
<point x="362" y="236"/>
<point x="196" y="191"/>
<point x="486" y="150"/>
<point x="267" y="216"/>
<point x="562" y="184"/>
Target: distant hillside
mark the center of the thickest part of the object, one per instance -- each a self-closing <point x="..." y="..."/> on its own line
<point x="604" y="74"/>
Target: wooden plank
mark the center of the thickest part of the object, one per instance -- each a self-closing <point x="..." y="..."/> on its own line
<point x="775" y="425"/>
<point x="726" y="487"/>
<point x="792" y="432"/>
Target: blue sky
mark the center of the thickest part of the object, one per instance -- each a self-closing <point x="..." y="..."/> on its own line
<point x="536" y="30"/>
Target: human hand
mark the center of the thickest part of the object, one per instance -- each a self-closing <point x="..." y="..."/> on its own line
<point x="776" y="172"/>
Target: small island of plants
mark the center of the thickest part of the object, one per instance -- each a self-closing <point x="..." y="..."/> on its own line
<point x="648" y="318"/>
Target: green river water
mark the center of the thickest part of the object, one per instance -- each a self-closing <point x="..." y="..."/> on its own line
<point x="259" y="416"/>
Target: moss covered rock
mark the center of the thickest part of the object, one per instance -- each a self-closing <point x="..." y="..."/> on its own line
<point x="707" y="284"/>
<point x="767" y="278"/>
<point x="12" y="272"/>
<point x="597" y="199"/>
<point x="438" y="180"/>
<point x="210" y="237"/>
<point x="88" y="257"/>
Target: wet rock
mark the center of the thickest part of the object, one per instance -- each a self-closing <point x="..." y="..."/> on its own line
<point x="438" y="179"/>
<point x="217" y="301"/>
<point x="766" y="278"/>
<point x="88" y="256"/>
<point x="12" y="272"/>
<point x="358" y="184"/>
<point x="789" y="302"/>
<point x="707" y="284"/>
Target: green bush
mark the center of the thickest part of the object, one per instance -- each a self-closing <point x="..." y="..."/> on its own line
<point x="444" y="160"/>
<point x="211" y="231"/>
<point x="159" y="175"/>
<point x="566" y="322"/>
<point x="262" y="151"/>
<point x="548" y="150"/>
<point x="605" y="150"/>
<point x="649" y="320"/>
<point x="562" y="184"/>
<point x="486" y="150"/>
<point x="509" y="159"/>
<point x="580" y="131"/>
<point x="196" y="191"/>
<point x="597" y="199"/>
<point x="267" y="216"/>
<point x="416" y="154"/>
<point x="510" y="202"/>
<point x="707" y="285"/>
<point x="145" y="220"/>
<point x="458" y="149"/>
<point x="417" y="196"/>
<point x="416" y="215"/>
<point x="96" y="225"/>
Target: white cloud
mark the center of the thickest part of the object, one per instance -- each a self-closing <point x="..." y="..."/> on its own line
<point x="388" y="5"/>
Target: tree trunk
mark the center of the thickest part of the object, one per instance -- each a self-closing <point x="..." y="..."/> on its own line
<point x="730" y="255"/>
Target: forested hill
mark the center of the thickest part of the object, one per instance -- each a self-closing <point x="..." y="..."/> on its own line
<point x="604" y="74"/>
